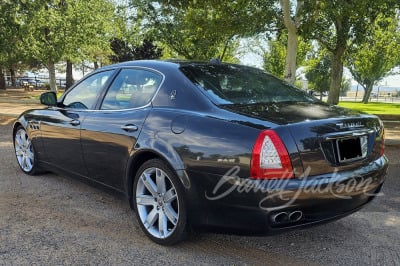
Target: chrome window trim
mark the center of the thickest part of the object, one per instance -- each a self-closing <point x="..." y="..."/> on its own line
<point x="119" y="110"/>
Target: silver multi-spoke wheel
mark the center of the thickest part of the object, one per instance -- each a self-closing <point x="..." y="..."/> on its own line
<point x="24" y="150"/>
<point x="157" y="202"/>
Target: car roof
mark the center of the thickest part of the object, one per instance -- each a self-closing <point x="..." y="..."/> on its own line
<point x="163" y="64"/>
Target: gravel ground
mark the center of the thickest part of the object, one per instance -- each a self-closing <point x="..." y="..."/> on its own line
<point x="55" y="220"/>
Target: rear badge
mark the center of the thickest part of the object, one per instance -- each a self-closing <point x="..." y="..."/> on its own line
<point x="349" y="125"/>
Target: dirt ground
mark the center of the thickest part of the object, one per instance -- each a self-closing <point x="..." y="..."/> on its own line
<point x="55" y="220"/>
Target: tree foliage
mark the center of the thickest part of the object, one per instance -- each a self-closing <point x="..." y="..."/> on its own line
<point x="73" y="30"/>
<point x="275" y="57"/>
<point x="124" y="51"/>
<point x="202" y="30"/>
<point x="11" y="50"/>
<point x="318" y="72"/>
<point x="372" y="60"/>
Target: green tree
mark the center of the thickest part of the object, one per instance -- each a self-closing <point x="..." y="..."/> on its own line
<point x="274" y="58"/>
<point x="202" y="30"/>
<point x="124" y="51"/>
<point x="373" y="59"/>
<point x="318" y="73"/>
<point x="337" y="25"/>
<point x="90" y="24"/>
<point x="11" y="52"/>
<point x="72" y="30"/>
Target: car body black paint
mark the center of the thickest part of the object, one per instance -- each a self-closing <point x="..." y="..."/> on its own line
<point x="202" y="141"/>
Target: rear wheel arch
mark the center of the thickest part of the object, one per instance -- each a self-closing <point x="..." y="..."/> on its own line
<point x="136" y="162"/>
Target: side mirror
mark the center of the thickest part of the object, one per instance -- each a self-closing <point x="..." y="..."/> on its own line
<point x="48" y="98"/>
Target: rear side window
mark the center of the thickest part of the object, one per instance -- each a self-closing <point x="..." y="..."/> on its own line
<point x="132" y="88"/>
<point x="234" y="84"/>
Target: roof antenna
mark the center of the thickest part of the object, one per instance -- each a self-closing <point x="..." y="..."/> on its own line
<point x="215" y="60"/>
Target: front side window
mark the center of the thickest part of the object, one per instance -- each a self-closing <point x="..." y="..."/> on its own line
<point x="85" y="94"/>
<point x="132" y="88"/>
<point x="234" y="84"/>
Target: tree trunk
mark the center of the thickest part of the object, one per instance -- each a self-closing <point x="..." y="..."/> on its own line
<point x="224" y="50"/>
<point x="2" y="80"/>
<point x="13" y="79"/>
<point x="96" y="65"/>
<point x="291" y="57"/>
<point x="336" y="77"/>
<point x="69" y="76"/>
<point x="292" y="42"/>
<point x="52" y="75"/>
<point x="367" y="94"/>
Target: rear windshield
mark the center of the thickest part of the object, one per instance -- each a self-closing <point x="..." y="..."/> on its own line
<point x="234" y="84"/>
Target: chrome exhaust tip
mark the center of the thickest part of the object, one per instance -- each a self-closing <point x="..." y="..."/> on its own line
<point x="295" y="216"/>
<point x="280" y="217"/>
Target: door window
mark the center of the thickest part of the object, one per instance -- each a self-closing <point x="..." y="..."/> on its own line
<point x="132" y="88"/>
<point x="86" y="93"/>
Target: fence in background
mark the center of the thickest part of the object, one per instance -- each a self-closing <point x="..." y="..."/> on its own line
<point x="34" y="83"/>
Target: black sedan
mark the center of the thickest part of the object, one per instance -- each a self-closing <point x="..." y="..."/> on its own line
<point x="207" y="145"/>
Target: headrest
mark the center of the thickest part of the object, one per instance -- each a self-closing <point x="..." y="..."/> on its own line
<point x="135" y="79"/>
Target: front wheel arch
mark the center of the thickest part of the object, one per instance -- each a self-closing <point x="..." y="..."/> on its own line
<point x="34" y="168"/>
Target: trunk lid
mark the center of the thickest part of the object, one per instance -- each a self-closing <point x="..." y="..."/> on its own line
<point x="328" y="138"/>
<point x="337" y="144"/>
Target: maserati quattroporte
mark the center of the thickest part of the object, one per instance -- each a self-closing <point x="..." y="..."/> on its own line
<point x="207" y="145"/>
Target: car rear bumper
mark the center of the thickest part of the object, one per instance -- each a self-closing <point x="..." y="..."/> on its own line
<point x="249" y="206"/>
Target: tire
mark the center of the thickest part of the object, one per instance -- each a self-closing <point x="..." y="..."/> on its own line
<point x="158" y="201"/>
<point x="25" y="152"/>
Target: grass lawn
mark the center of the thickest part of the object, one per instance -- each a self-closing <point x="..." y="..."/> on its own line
<point x="374" y="108"/>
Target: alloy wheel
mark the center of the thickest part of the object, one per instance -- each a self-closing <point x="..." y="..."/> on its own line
<point x="24" y="150"/>
<point x="157" y="203"/>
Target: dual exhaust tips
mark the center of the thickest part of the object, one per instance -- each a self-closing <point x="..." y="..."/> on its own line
<point x="287" y="217"/>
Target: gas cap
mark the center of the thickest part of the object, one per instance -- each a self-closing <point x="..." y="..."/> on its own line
<point x="178" y="124"/>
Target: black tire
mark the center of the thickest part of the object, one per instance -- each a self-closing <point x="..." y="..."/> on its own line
<point x="158" y="201"/>
<point x="25" y="152"/>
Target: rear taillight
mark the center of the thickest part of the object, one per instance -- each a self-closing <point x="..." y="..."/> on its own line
<point x="382" y="144"/>
<point x="270" y="159"/>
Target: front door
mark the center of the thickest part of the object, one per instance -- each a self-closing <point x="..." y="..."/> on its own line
<point x="61" y="125"/>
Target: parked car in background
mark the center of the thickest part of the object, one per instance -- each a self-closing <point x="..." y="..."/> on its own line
<point x="207" y="145"/>
<point x="318" y="94"/>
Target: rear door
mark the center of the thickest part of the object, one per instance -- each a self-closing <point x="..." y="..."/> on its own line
<point x="109" y="134"/>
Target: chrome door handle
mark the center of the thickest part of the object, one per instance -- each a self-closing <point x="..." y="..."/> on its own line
<point x="129" y="128"/>
<point x="75" y="122"/>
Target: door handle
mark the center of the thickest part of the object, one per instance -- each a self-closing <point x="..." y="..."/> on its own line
<point x="75" y="122"/>
<point x="129" y="128"/>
